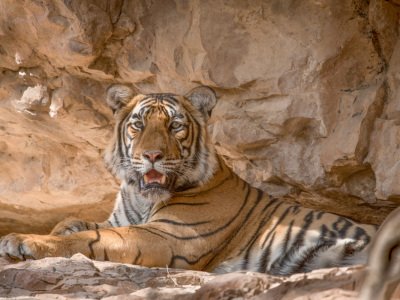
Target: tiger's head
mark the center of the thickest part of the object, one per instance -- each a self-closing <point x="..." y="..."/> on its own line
<point x="160" y="143"/>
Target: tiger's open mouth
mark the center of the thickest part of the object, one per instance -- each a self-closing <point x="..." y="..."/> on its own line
<point x="154" y="179"/>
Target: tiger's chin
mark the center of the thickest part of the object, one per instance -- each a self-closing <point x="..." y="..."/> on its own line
<point x="156" y="195"/>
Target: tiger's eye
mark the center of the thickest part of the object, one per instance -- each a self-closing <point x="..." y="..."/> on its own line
<point x="176" y="126"/>
<point x="138" y="124"/>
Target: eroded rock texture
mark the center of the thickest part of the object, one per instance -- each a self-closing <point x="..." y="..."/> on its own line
<point x="81" y="278"/>
<point x="309" y="99"/>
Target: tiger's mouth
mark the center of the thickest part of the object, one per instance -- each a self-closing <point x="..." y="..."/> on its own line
<point x="154" y="180"/>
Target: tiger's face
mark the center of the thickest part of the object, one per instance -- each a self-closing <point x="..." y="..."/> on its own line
<point x="160" y="143"/>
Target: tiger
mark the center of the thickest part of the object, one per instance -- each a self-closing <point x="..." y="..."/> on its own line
<point x="383" y="267"/>
<point x="181" y="206"/>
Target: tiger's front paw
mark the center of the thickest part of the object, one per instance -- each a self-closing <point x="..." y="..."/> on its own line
<point x="25" y="246"/>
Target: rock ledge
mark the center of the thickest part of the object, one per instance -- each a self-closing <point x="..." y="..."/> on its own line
<point x="81" y="278"/>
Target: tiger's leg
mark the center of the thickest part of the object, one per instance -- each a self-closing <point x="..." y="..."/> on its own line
<point x="72" y="225"/>
<point x="128" y="210"/>
<point x="134" y="244"/>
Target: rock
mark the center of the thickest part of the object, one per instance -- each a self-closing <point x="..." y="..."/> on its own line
<point x="81" y="278"/>
<point x="48" y="174"/>
<point x="308" y="109"/>
<point x="237" y="285"/>
<point x="31" y="98"/>
<point x="308" y="102"/>
<point x="386" y="136"/>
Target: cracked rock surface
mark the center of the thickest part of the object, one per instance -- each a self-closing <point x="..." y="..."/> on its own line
<point x="308" y="98"/>
<point x="82" y="278"/>
<point x="308" y="109"/>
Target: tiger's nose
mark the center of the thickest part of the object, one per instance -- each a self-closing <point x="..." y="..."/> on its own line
<point x="153" y="155"/>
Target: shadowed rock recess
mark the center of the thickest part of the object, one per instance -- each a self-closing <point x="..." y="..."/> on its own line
<point x="308" y="108"/>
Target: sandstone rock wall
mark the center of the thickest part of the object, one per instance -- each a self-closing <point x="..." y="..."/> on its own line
<point x="309" y="98"/>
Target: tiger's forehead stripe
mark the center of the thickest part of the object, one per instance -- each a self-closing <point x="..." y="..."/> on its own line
<point x="166" y="102"/>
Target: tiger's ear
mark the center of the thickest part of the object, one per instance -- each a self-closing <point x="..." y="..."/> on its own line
<point x="203" y="98"/>
<point x="118" y="96"/>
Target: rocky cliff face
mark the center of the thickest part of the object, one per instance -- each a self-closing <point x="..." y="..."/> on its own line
<point x="309" y="97"/>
